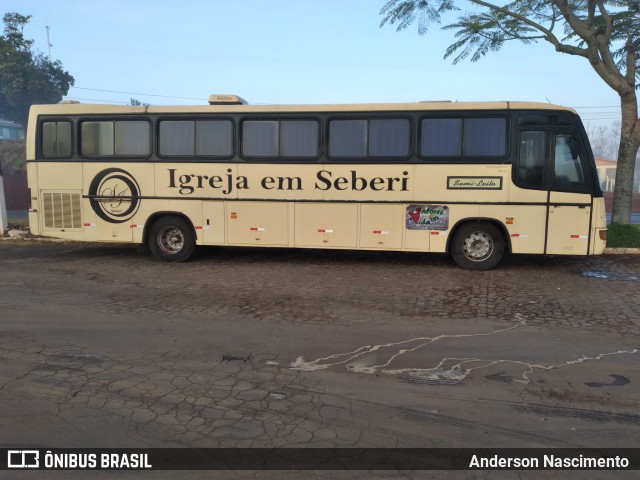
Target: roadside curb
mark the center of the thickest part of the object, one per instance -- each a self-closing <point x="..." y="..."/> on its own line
<point x="621" y="251"/>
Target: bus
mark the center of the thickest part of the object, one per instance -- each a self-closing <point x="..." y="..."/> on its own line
<point x="475" y="180"/>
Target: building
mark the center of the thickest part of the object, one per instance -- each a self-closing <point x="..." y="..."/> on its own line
<point x="606" y="174"/>
<point x="15" y="183"/>
<point x="10" y="130"/>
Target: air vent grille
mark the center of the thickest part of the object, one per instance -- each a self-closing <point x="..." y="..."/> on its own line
<point x="62" y="210"/>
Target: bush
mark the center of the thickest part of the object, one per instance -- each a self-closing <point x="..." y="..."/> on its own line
<point x="623" y="236"/>
<point x="12" y="156"/>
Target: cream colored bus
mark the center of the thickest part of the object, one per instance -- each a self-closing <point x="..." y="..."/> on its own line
<point x="472" y="179"/>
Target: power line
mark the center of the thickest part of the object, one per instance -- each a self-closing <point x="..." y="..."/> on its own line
<point x="68" y="97"/>
<point x="607" y="106"/>
<point x="195" y="98"/>
<point x="138" y="93"/>
<point x="605" y="115"/>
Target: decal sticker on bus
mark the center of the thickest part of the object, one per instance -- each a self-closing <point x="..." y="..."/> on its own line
<point x="114" y="195"/>
<point x="427" y="217"/>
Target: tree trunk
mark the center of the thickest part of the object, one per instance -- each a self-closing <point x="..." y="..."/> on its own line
<point x="622" y="194"/>
<point x="629" y="143"/>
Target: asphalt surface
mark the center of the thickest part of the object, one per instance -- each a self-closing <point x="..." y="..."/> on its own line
<point x="104" y="346"/>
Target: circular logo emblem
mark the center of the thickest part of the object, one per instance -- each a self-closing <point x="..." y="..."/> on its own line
<point x="114" y="195"/>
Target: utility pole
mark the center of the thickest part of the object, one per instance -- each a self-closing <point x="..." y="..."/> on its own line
<point x="4" y="224"/>
<point x="48" y="41"/>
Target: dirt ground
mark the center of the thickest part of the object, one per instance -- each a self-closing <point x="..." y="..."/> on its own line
<point x="104" y="346"/>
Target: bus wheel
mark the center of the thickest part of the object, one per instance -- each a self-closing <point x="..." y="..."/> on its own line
<point x="172" y="239"/>
<point x="477" y="246"/>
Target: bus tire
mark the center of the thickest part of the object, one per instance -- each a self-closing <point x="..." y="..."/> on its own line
<point x="172" y="239"/>
<point x="477" y="246"/>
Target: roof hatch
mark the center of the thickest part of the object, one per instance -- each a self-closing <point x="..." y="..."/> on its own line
<point x="226" y="100"/>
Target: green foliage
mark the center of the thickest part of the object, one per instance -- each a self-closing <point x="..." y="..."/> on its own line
<point x="597" y="29"/>
<point x="606" y="33"/>
<point x="12" y="155"/>
<point x="405" y="12"/>
<point x="137" y="103"/>
<point x="623" y="236"/>
<point x="27" y="77"/>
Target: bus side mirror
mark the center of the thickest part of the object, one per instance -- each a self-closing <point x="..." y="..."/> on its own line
<point x="574" y="147"/>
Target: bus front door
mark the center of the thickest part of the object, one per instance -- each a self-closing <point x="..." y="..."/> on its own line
<point x="570" y="198"/>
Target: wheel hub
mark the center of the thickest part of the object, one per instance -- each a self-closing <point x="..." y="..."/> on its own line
<point x="171" y="240"/>
<point x="478" y="246"/>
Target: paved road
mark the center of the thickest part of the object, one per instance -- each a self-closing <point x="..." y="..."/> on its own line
<point x="104" y="346"/>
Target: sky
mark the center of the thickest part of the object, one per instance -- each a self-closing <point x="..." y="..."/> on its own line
<point x="292" y="52"/>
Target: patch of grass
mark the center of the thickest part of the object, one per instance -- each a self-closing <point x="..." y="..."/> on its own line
<point x="16" y="242"/>
<point x="18" y="223"/>
<point x="623" y="236"/>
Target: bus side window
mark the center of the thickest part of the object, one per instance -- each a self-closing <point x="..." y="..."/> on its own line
<point x="132" y="138"/>
<point x="177" y="137"/>
<point x="380" y="138"/>
<point x="96" y="139"/>
<point x="441" y="137"/>
<point x="348" y="138"/>
<point x="56" y="139"/>
<point x="280" y="138"/>
<point x="389" y="137"/>
<point x="214" y="138"/>
<point x="299" y="138"/>
<point x="484" y="137"/>
<point x="530" y="171"/>
<point x="119" y="138"/>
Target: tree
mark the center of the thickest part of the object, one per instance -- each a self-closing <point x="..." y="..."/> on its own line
<point x="605" y="141"/>
<point x="12" y="156"/>
<point x="605" y="33"/>
<point x="27" y="77"/>
<point x="137" y="103"/>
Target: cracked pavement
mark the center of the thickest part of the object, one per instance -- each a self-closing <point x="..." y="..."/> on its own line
<point x="103" y="346"/>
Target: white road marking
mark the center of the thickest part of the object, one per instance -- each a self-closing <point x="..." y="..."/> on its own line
<point x="448" y="370"/>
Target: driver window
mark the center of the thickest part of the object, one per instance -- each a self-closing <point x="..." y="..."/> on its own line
<point x="530" y="172"/>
